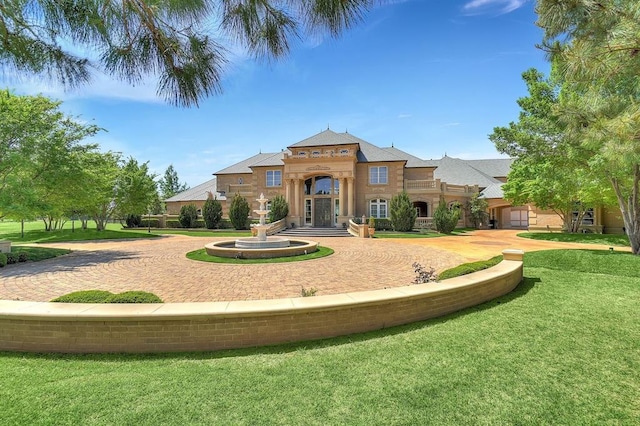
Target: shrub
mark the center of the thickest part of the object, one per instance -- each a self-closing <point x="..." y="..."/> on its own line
<point x="423" y="275"/>
<point x="403" y="214"/>
<point x="383" y="224"/>
<point x="85" y="296"/>
<point x="155" y="223"/>
<point x="279" y="208"/>
<point x="3" y="260"/>
<point x="188" y="216"/>
<point x="212" y="213"/>
<point x="239" y="212"/>
<point x="308" y="292"/>
<point x="467" y="268"/>
<point x="445" y="219"/>
<point x="133" y="220"/>
<point x="173" y="223"/>
<point x="12" y="258"/>
<point x="134" y="297"/>
<point x="372" y="222"/>
<point x="477" y="208"/>
<point x="23" y="256"/>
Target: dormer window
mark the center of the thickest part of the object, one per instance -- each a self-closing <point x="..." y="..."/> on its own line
<point x="302" y="154"/>
<point x="344" y="152"/>
<point x="315" y="153"/>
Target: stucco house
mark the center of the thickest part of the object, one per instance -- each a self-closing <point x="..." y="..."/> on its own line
<point x="331" y="177"/>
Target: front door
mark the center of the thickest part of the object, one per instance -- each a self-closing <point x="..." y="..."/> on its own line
<point x="322" y="212"/>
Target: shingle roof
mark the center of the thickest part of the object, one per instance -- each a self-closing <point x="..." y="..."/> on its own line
<point x="327" y="137"/>
<point x="497" y="167"/>
<point x="412" y="161"/>
<point x="244" y="165"/>
<point x="197" y="193"/>
<point x="273" y="160"/>
<point x="493" y="191"/>
<point x="459" y="172"/>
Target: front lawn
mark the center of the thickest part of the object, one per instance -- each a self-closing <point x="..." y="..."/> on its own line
<point x="562" y="348"/>
<point x="34" y="233"/>
<point x="563" y="237"/>
<point x="425" y="233"/>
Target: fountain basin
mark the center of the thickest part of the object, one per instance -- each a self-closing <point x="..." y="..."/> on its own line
<point x="256" y="243"/>
<point x="229" y="248"/>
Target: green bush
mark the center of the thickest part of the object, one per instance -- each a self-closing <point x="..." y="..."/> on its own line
<point x="155" y="223"/>
<point x="403" y="214"/>
<point x="23" y="256"/>
<point x="445" y="219"/>
<point x="85" y="296"/>
<point x="383" y="224"/>
<point x="3" y="260"/>
<point x="279" y="208"/>
<point x="239" y="212"/>
<point x="212" y="213"/>
<point x="468" y="268"/>
<point x="134" y="297"/>
<point x="188" y="216"/>
<point x="173" y="223"/>
<point x="12" y="258"/>
<point x="133" y="220"/>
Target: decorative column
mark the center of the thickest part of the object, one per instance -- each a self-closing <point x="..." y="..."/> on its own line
<point x="342" y="196"/>
<point x="351" y="197"/>
<point x="287" y="191"/>
<point x="296" y="206"/>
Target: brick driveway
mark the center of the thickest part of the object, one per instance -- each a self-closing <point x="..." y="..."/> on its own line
<point x="160" y="266"/>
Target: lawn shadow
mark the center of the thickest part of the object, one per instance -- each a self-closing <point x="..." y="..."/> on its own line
<point x="520" y="291"/>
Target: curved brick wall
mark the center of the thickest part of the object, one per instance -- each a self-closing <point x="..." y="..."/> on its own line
<point x="66" y="327"/>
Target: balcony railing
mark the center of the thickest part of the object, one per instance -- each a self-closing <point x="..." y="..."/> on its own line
<point x="435" y="185"/>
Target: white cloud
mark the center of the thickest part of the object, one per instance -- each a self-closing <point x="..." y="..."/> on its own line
<point x="502" y="6"/>
<point x="452" y="124"/>
<point x="404" y="115"/>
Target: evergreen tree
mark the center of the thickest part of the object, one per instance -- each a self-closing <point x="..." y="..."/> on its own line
<point x="239" y="212"/>
<point x="170" y="184"/>
<point x="212" y="213"/>
<point x="403" y="214"/>
<point x="445" y="219"/>
<point x="279" y="208"/>
<point x="188" y="216"/>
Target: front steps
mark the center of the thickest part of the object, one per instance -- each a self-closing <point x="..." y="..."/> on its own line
<point x="308" y="231"/>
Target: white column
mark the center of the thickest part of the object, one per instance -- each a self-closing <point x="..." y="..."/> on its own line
<point x="342" y="196"/>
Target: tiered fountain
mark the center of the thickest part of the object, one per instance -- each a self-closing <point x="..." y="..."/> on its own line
<point x="261" y="246"/>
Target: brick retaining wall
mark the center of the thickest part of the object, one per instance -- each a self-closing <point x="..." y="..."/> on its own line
<point x="170" y="327"/>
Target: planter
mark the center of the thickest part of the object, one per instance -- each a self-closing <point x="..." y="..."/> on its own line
<point x="372" y="231"/>
<point x="5" y="246"/>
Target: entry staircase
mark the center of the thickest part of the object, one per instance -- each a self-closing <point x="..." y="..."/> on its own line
<point x="308" y="231"/>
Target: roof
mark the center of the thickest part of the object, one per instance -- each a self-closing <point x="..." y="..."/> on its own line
<point x="412" y="160"/>
<point x="197" y="193"/>
<point x="460" y="172"/>
<point x="497" y="167"/>
<point x="327" y="138"/>
<point x="493" y="191"/>
<point x="244" y="166"/>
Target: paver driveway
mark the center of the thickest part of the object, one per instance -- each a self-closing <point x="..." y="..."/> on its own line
<point x="160" y="266"/>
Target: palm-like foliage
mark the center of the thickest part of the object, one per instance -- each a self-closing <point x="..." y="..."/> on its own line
<point x="176" y="40"/>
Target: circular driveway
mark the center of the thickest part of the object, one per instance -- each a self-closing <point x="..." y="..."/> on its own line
<point x="160" y="266"/>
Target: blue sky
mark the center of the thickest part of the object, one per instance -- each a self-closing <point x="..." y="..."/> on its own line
<point x="429" y="76"/>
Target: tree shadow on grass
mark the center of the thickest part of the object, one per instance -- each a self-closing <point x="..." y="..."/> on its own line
<point x="521" y="290"/>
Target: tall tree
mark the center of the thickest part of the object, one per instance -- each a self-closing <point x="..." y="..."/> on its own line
<point x="594" y="46"/>
<point x="170" y="184"/>
<point x="549" y="171"/>
<point x="135" y="188"/>
<point x="40" y="152"/>
<point x="173" y="39"/>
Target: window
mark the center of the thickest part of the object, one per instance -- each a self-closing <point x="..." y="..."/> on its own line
<point x="302" y="154"/>
<point x="315" y="153"/>
<point x="344" y="152"/>
<point x="378" y="175"/>
<point x="274" y="178"/>
<point x="378" y="208"/>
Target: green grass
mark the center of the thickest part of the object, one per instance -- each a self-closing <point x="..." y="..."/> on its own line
<point x="468" y="268"/>
<point x="35" y="233"/>
<point x="562" y="348"/>
<point x="198" y="233"/>
<point x="608" y="239"/>
<point x="426" y="233"/>
<point x="202" y="255"/>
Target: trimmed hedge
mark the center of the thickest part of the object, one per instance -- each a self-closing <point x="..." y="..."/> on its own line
<point x="134" y="297"/>
<point x="103" y="296"/>
<point x="12" y="258"/>
<point x="155" y="223"/>
<point x="3" y="260"/>
<point x="174" y="223"/>
<point x="467" y="268"/>
<point x="382" y="224"/>
<point x="85" y="296"/>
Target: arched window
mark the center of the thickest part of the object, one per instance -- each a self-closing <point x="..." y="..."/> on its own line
<point x="378" y="208"/>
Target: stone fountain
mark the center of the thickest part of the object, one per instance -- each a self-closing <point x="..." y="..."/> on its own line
<point x="261" y="240"/>
<point x="261" y="246"/>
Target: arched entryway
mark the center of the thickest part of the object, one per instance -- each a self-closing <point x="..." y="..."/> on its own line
<point x="321" y="201"/>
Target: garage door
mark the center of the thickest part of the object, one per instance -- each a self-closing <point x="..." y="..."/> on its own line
<point x="519" y="218"/>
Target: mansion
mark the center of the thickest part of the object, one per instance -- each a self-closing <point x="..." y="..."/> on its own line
<point x="332" y="177"/>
